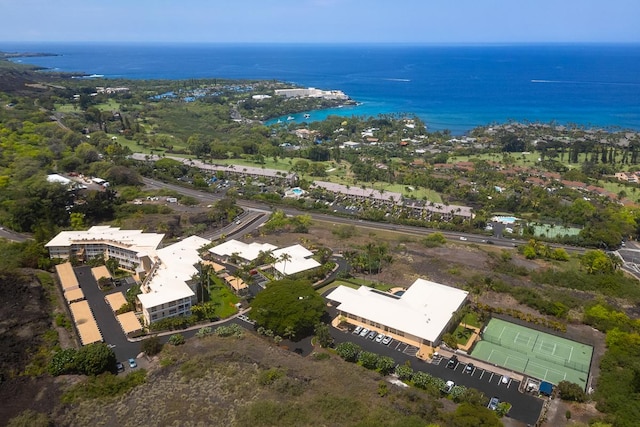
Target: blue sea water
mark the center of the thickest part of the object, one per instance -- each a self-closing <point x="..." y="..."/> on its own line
<point x="449" y="87"/>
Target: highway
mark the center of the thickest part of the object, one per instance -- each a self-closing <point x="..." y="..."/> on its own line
<point x="496" y="240"/>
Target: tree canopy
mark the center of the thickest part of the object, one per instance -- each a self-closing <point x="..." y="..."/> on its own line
<point x="287" y="306"/>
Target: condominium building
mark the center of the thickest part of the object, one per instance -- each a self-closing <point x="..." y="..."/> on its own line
<point x="132" y="248"/>
<point x="169" y="274"/>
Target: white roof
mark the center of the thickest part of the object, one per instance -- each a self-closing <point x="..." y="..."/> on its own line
<point x="295" y="265"/>
<point x="134" y="240"/>
<point x="299" y="260"/>
<point x="295" y="251"/>
<point x="177" y="267"/>
<point x="246" y="251"/>
<point x="54" y="177"/>
<point x="424" y="310"/>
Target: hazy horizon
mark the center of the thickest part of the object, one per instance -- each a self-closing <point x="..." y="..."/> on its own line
<point x="322" y="22"/>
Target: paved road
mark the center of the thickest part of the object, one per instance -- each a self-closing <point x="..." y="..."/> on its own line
<point x="206" y="197"/>
<point x="109" y="326"/>
<point x="13" y="236"/>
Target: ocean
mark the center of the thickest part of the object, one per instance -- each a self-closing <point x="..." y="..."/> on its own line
<point x="449" y="87"/>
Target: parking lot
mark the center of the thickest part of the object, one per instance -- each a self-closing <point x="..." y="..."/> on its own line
<point x="525" y="407"/>
<point x="472" y="371"/>
<point x="363" y="334"/>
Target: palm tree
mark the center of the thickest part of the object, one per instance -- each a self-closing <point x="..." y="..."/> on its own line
<point x="284" y="257"/>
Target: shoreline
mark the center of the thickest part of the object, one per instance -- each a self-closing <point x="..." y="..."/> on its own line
<point x="451" y="109"/>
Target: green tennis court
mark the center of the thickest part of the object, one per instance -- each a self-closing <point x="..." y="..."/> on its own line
<point x="538" y="354"/>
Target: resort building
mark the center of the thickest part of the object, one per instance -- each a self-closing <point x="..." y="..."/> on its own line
<point x="428" y="211"/>
<point x="132" y="248"/>
<point x="240" y="252"/>
<point x="169" y="284"/>
<point x="311" y="93"/>
<point x="419" y="316"/>
<point x="388" y="198"/>
<point x="287" y="261"/>
<point x="293" y="259"/>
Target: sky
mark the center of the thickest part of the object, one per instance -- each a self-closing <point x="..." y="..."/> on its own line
<point x="321" y="21"/>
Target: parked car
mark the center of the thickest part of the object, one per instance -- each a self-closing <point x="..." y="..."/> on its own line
<point x="364" y="332"/>
<point x="505" y="379"/>
<point x="379" y="337"/>
<point x="463" y="238"/>
<point x="493" y="403"/>
<point x="469" y="368"/>
<point x="372" y="335"/>
<point x="451" y="364"/>
<point x="132" y="363"/>
<point x="449" y="386"/>
<point x="387" y="340"/>
<point x="357" y="330"/>
<point x="119" y="367"/>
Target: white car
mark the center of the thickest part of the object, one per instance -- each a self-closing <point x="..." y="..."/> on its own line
<point x="449" y="386"/>
<point x="387" y="340"/>
<point x="379" y="337"/>
<point x="364" y="332"/>
<point x="463" y="238"/>
<point x="357" y="330"/>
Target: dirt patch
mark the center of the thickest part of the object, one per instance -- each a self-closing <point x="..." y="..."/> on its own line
<point x="578" y="413"/>
<point x="38" y="394"/>
<point x="227" y="381"/>
<point x="24" y="318"/>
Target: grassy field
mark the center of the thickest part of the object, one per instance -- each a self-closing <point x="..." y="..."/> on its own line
<point x="219" y="292"/>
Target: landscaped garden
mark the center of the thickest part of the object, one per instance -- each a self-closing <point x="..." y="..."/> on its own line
<point x="224" y="298"/>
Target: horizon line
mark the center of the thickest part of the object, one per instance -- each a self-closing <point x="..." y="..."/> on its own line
<point x="329" y="43"/>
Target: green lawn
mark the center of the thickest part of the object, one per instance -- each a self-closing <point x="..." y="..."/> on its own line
<point x="334" y="285"/>
<point x="220" y="293"/>
<point x="462" y="335"/>
<point x="472" y="320"/>
<point x="363" y="282"/>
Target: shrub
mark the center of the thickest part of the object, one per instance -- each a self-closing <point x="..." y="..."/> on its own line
<point x="151" y="346"/>
<point x="422" y="380"/>
<point x="203" y="332"/>
<point x="320" y="356"/>
<point x="176" y="339"/>
<point x="269" y="376"/>
<point x="63" y="362"/>
<point x="348" y="351"/>
<point x="383" y="389"/>
<point x="94" y="359"/>
<point x="571" y="391"/>
<point x="385" y="364"/>
<point x="229" y="330"/>
<point x="404" y="372"/>
<point x="368" y="359"/>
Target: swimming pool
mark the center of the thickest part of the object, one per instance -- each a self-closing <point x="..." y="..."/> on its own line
<point x="297" y="191"/>
<point x="505" y="219"/>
